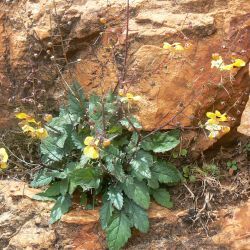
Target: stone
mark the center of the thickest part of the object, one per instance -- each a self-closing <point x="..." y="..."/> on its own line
<point x="235" y="229"/>
<point x="24" y="225"/>
<point x="24" y="222"/>
<point x="168" y="82"/>
<point x="244" y="127"/>
<point x="30" y="236"/>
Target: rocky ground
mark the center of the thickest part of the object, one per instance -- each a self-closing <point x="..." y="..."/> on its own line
<point x="208" y="214"/>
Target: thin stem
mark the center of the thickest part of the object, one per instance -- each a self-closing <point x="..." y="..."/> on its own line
<point x="124" y="70"/>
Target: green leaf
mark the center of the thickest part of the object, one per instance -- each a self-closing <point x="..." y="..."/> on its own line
<point x="83" y="160"/>
<point x="137" y="215"/>
<point x="83" y="199"/>
<point x="42" y="178"/>
<point x="77" y="139"/>
<point x="41" y="197"/>
<point x="234" y="167"/>
<point x="133" y="141"/>
<point x="110" y="105"/>
<point x="85" y="177"/>
<point x="137" y="191"/>
<point x="53" y="190"/>
<point x="106" y="212"/>
<point x="126" y="123"/>
<point x="175" y="155"/>
<point x="114" y="162"/>
<point x="62" y="205"/>
<point x="116" y="197"/>
<point x="64" y="184"/>
<point x="192" y="178"/>
<point x="165" y="172"/>
<point x="76" y="100"/>
<point x="141" y="165"/>
<point x="120" y="141"/>
<point x="153" y="181"/>
<point x="162" y="197"/>
<point x="50" y="151"/>
<point x="95" y="108"/>
<point x="116" y="129"/>
<point x="118" y="231"/>
<point x="61" y="139"/>
<point x="184" y="152"/>
<point x="161" y="142"/>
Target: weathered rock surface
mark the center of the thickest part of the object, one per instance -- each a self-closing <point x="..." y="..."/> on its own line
<point x="24" y="225"/>
<point x="31" y="55"/>
<point x="235" y="232"/>
<point x="244" y="127"/>
<point x="24" y="222"/>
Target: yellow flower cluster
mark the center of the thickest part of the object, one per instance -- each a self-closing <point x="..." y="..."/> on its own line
<point x="3" y="158"/>
<point x="213" y="125"/>
<point x="217" y="62"/>
<point x="128" y="97"/>
<point x="35" y="131"/>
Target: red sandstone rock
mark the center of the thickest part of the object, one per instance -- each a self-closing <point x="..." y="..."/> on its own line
<point x="166" y="81"/>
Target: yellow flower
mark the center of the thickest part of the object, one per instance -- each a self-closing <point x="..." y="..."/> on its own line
<point x="167" y="45"/>
<point x="216" y="117"/>
<point x="174" y="46"/>
<point x="178" y="46"/>
<point x="239" y="63"/>
<point x="216" y="56"/>
<point x="225" y="129"/>
<point x="91" y="150"/>
<point x="41" y="133"/>
<point x="217" y="61"/>
<point x="47" y="117"/>
<point x="213" y="134"/>
<point x="28" y="129"/>
<point x="130" y="98"/>
<point x="27" y="118"/>
<point x="121" y="92"/>
<point x="212" y="125"/>
<point x="227" y="67"/>
<point x="217" y="133"/>
<point x="3" y="158"/>
<point x="106" y="143"/>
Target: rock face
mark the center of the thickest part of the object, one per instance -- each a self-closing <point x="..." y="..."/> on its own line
<point x="235" y="231"/>
<point x="244" y="127"/>
<point x="24" y="222"/>
<point x="40" y="42"/>
<point x="24" y="226"/>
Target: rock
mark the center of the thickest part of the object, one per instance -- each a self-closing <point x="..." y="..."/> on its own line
<point x="201" y="25"/>
<point x="24" y="225"/>
<point x="29" y="236"/>
<point x="24" y="222"/>
<point x="244" y="127"/>
<point x="166" y="81"/>
<point x="235" y="229"/>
